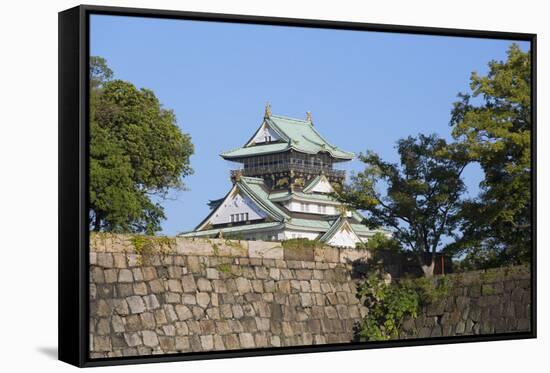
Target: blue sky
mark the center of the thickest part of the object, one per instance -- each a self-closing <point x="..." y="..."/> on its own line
<point x="365" y="89"/>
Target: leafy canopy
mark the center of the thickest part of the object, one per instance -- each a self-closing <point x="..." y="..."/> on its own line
<point x="388" y="305"/>
<point x="423" y="192"/>
<point x="137" y="154"/>
<point x="493" y="123"/>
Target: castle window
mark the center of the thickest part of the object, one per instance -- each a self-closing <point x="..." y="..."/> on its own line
<point x="246" y="216"/>
<point x="232" y="218"/>
<point x="242" y="216"/>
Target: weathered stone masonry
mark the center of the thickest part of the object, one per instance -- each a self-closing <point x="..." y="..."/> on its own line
<point x="204" y="295"/>
<point x="216" y="295"/>
<point x="481" y="302"/>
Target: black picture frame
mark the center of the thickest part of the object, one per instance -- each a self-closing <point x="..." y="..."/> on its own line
<point x="73" y="181"/>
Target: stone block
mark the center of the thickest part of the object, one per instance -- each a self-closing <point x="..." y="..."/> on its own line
<point x="274" y="274"/>
<point x="248" y="310"/>
<point x="261" y="272"/>
<point x="140" y="288"/>
<point x="243" y="285"/>
<point x="212" y="274"/>
<point x="121" y="307"/>
<point x="136" y="304"/>
<point x="173" y="298"/>
<point x="203" y="299"/>
<point x="175" y="286"/>
<point x="182" y="344"/>
<point x="125" y="275"/>
<point x="207" y="342"/>
<point x="218" y="343"/>
<point x="160" y="317"/>
<point x="156" y="286"/>
<point x="257" y="286"/>
<point x="194" y="264"/>
<point x="97" y="275"/>
<point x="267" y="250"/>
<point x="260" y="340"/>
<point x="133" y="323"/>
<point x="327" y="254"/>
<point x="103" y="327"/>
<point x="231" y="342"/>
<point x="304" y="274"/>
<point x="286" y="274"/>
<point x="188" y="284"/>
<point x="331" y="312"/>
<point x="125" y="289"/>
<point x="315" y="286"/>
<point x="298" y="254"/>
<point x="101" y="308"/>
<point x="275" y="341"/>
<point x="119" y="260"/>
<point x="148" y="320"/>
<point x="343" y="311"/>
<point x="213" y="313"/>
<point x="105" y="260"/>
<point x="183" y="312"/>
<point x="150" y="338"/>
<point x="204" y="284"/>
<point x="199" y="247"/>
<point x="246" y="340"/>
<point x="132" y="339"/>
<point x="111" y="275"/>
<point x="151" y="302"/>
<point x="306" y="299"/>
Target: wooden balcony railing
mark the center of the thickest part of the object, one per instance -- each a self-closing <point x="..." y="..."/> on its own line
<point x="263" y="170"/>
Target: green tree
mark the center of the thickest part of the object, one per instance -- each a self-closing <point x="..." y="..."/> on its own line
<point x="422" y="198"/>
<point x="388" y="304"/>
<point x="493" y="123"/>
<point x="137" y="154"/>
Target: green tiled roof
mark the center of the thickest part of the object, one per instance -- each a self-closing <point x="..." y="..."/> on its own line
<point x="256" y="150"/>
<point x="318" y="225"/>
<point x="253" y="187"/>
<point x="363" y="230"/>
<point x="236" y="229"/>
<point x="313" y="183"/>
<point x="333" y="229"/>
<point x="284" y="196"/>
<point x="297" y="134"/>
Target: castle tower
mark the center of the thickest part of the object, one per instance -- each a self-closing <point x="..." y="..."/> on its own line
<point x="283" y="188"/>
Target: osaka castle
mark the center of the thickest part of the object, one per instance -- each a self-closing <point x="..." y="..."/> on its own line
<point x="282" y="189"/>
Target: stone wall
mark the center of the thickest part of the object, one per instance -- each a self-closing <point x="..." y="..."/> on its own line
<point x="481" y="302"/>
<point x="183" y="295"/>
<point x="202" y="295"/>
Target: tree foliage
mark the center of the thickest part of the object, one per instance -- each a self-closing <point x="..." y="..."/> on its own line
<point x="137" y="154"/>
<point x="388" y="305"/>
<point x="380" y="241"/>
<point x="423" y="193"/>
<point x="493" y="123"/>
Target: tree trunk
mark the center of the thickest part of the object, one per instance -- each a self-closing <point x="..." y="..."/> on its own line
<point x="427" y="265"/>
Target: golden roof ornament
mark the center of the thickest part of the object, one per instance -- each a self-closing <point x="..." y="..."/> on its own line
<point x="308" y="117"/>
<point x="236" y="175"/>
<point x="267" y="113"/>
